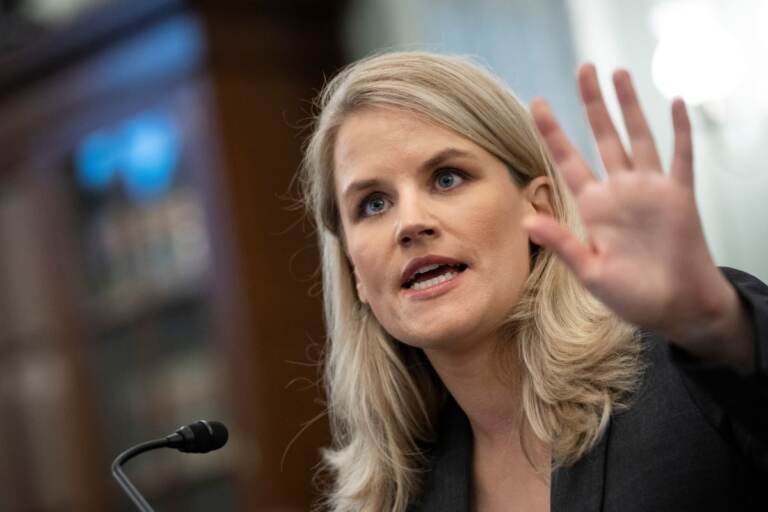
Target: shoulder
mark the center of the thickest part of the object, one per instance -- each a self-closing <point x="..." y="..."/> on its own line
<point x="667" y="449"/>
<point x="661" y="403"/>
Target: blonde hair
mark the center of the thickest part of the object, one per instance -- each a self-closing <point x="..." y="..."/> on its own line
<point x="580" y="362"/>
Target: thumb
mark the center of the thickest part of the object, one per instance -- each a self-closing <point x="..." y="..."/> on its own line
<point x="545" y="230"/>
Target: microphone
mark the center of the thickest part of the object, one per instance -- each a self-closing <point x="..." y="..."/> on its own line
<point x="199" y="437"/>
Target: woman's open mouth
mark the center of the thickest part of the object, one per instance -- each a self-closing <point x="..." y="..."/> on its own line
<point x="433" y="282"/>
<point x="434" y="276"/>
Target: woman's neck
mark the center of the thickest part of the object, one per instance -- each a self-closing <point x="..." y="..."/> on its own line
<point x="504" y="473"/>
<point x="491" y="404"/>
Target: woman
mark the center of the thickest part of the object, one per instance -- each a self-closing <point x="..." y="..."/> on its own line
<point x="492" y="349"/>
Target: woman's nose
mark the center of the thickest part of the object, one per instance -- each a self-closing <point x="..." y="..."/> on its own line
<point x="414" y="222"/>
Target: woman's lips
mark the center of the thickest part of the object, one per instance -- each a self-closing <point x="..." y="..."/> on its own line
<point x="436" y="290"/>
<point x="430" y="259"/>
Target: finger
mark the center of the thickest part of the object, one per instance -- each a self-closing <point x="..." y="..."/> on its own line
<point x="681" y="169"/>
<point x="608" y="142"/>
<point x="566" y="156"/>
<point x="644" y="153"/>
<point x="545" y="230"/>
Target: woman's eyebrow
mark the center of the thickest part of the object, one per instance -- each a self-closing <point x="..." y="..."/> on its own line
<point x="443" y="155"/>
<point x="434" y="161"/>
<point x="358" y="185"/>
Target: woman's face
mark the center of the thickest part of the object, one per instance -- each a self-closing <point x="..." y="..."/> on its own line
<point x="414" y="195"/>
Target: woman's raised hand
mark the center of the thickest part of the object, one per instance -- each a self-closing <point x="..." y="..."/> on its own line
<point x="645" y="256"/>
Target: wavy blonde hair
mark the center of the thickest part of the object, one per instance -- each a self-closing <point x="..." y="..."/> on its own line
<point x="580" y="362"/>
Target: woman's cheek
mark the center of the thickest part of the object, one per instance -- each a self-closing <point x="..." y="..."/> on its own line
<point x="365" y="256"/>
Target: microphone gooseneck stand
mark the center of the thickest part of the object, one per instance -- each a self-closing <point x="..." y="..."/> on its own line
<point x="199" y="437"/>
<point x="122" y="479"/>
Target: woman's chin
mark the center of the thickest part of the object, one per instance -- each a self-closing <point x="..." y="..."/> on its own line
<point x="447" y="335"/>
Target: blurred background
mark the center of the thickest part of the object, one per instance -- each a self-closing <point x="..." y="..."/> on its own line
<point x="152" y="269"/>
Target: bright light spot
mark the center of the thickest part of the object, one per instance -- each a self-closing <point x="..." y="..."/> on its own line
<point x="56" y="11"/>
<point x="143" y="151"/>
<point x="151" y="153"/>
<point x="96" y="159"/>
<point x="696" y="57"/>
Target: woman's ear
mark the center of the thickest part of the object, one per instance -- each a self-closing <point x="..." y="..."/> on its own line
<point x="539" y="194"/>
<point x="361" y="291"/>
<point x="361" y="294"/>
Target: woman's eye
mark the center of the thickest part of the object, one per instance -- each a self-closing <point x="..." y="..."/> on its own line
<point x="372" y="205"/>
<point x="376" y="203"/>
<point x="448" y="178"/>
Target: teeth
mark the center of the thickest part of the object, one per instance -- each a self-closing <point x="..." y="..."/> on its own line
<point x="424" y="269"/>
<point x="422" y="285"/>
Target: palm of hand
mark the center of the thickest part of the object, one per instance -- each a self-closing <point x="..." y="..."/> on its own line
<point x="645" y="255"/>
<point x="641" y="229"/>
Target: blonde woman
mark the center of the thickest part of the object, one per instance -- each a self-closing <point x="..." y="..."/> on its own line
<point x="506" y="331"/>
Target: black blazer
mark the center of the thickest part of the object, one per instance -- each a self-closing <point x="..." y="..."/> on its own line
<point x="695" y="438"/>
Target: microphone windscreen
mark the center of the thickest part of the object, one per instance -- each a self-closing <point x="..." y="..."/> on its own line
<point x="206" y="436"/>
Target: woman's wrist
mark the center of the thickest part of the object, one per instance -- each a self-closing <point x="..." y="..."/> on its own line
<point x="723" y="334"/>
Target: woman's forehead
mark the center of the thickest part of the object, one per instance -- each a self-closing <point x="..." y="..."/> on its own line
<point x="375" y="140"/>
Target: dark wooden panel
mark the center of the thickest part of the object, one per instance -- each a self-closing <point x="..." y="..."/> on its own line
<point x="265" y="73"/>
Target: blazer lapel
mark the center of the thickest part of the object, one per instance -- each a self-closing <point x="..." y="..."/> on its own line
<point x="447" y="488"/>
<point x="580" y="488"/>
